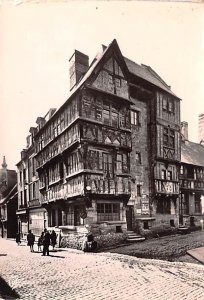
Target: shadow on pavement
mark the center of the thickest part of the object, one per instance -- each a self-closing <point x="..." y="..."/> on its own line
<point x="6" y="291"/>
<point x="56" y="256"/>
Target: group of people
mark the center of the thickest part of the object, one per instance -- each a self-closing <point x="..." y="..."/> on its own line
<point x="45" y="240"/>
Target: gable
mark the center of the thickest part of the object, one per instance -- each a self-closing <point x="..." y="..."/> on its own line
<point x="111" y="77"/>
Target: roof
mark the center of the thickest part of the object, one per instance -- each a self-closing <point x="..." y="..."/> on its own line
<point x="10" y="195"/>
<point x="192" y="153"/>
<point x="148" y="74"/>
<point x="143" y="71"/>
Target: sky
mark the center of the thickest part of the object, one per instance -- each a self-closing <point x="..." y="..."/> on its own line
<point x="37" y="38"/>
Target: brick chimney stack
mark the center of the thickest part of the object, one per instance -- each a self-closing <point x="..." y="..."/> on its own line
<point x="79" y="64"/>
<point x="201" y="127"/>
<point x="184" y="130"/>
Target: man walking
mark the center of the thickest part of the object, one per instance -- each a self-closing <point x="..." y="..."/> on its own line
<point x="46" y="242"/>
<point x="31" y="240"/>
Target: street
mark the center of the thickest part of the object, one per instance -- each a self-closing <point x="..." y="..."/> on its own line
<point x="72" y="274"/>
<point x="170" y="247"/>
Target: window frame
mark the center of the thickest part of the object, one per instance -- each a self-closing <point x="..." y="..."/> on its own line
<point x="108" y="212"/>
<point x="168" y="135"/>
<point x="135" y="117"/>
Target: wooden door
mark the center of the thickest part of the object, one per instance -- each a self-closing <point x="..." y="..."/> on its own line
<point x="129" y="217"/>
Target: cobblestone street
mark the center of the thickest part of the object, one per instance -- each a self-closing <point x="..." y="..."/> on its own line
<point x="73" y="274"/>
<point x="171" y="248"/>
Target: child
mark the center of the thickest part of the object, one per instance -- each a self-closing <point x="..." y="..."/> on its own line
<point x="40" y="242"/>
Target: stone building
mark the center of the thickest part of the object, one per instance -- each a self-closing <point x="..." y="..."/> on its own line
<point x="108" y="159"/>
<point x="191" y="203"/>
<point x="8" y="201"/>
<point x="155" y="154"/>
<point x="30" y="213"/>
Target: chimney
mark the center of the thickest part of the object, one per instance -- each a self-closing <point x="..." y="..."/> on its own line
<point x="41" y="122"/>
<point x="4" y="164"/>
<point x="201" y="127"/>
<point x="184" y="130"/>
<point x="79" y="64"/>
<point x="51" y="112"/>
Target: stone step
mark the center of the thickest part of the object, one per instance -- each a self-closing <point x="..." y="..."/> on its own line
<point x="134" y="240"/>
<point x="183" y="230"/>
<point x="134" y="236"/>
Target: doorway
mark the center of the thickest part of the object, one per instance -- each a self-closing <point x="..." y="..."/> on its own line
<point x="129" y="217"/>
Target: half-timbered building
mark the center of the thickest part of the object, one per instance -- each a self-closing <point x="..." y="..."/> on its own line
<point x="191" y="202"/>
<point x="108" y="158"/>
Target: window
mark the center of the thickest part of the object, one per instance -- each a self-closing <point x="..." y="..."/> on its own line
<point x="169" y="175"/>
<point x="168" y="137"/>
<point x="197" y="203"/>
<point x="138" y="158"/>
<point x="110" y="114"/>
<point x="34" y="190"/>
<point x="108" y="165"/>
<point x="163" y="174"/>
<point x="70" y="216"/>
<point x="181" y="170"/>
<point x="168" y="105"/>
<point x="139" y="194"/>
<point x="163" y="206"/>
<point x="108" y="211"/>
<point x="135" y="117"/>
<point x="122" y="164"/>
<point x="164" y="104"/>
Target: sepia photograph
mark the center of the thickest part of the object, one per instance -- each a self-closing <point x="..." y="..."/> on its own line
<point x="101" y="150"/>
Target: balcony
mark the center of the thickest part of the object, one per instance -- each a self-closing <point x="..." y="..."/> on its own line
<point x="166" y="187"/>
<point x="192" y="184"/>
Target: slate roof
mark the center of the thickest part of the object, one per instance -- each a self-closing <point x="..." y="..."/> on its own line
<point x="192" y="153"/>
<point x="148" y="74"/>
<point x="142" y="71"/>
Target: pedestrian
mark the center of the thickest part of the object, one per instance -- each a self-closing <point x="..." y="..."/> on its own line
<point x="18" y="238"/>
<point x="46" y="242"/>
<point x="53" y="237"/>
<point x="40" y="242"/>
<point x="30" y="240"/>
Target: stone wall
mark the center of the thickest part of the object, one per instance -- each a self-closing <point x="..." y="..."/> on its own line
<point x="139" y="169"/>
<point x="105" y="235"/>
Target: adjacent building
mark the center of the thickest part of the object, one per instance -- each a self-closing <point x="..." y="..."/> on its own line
<point x="8" y="201"/>
<point x="191" y="204"/>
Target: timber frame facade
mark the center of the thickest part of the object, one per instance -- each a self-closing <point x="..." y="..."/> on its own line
<point x="191" y="203"/>
<point x="83" y="151"/>
<point x="108" y="160"/>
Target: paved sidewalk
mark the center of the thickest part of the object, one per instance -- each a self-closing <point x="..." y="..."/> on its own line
<point x="74" y="275"/>
<point x="197" y="254"/>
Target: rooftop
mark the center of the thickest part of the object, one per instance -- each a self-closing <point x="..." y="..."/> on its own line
<point x="192" y="153"/>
